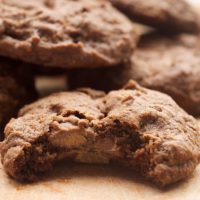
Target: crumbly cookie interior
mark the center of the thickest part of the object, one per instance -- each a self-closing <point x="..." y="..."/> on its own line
<point x="67" y="141"/>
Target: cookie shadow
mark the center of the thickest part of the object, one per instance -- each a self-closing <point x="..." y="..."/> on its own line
<point x="65" y="172"/>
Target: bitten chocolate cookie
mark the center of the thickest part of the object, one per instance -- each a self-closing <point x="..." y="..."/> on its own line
<point x="65" y="33"/>
<point x="168" y="15"/>
<point x="169" y="64"/>
<point x="16" y="89"/>
<point x="139" y="128"/>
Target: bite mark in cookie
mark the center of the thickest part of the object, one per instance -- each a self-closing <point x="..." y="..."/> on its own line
<point x="139" y="128"/>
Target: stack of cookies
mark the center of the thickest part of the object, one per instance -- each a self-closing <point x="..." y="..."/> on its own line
<point x="130" y="92"/>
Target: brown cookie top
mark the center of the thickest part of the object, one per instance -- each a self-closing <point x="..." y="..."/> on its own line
<point x="65" y="33"/>
<point x="16" y="89"/>
<point x="168" y="15"/>
<point x="169" y="64"/>
<point x="136" y="127"/>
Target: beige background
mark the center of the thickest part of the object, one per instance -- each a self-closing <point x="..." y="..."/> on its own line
<point x="84" y="182"/>
<point x="194" y="1"/>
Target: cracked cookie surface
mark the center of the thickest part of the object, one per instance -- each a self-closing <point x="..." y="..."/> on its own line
<point x="139" y="128"/>
<point x="65" y="33"/>
<point x="168" y="15"/>
<point x="169" y="64"/>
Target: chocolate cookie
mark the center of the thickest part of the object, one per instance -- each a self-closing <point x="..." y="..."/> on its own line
<point x="169" y="64"/>
<point x="139" y="128"/>
<point x="168" y="15"/>
<point x="16" y="89"/>
<point x="65" y="33"/>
